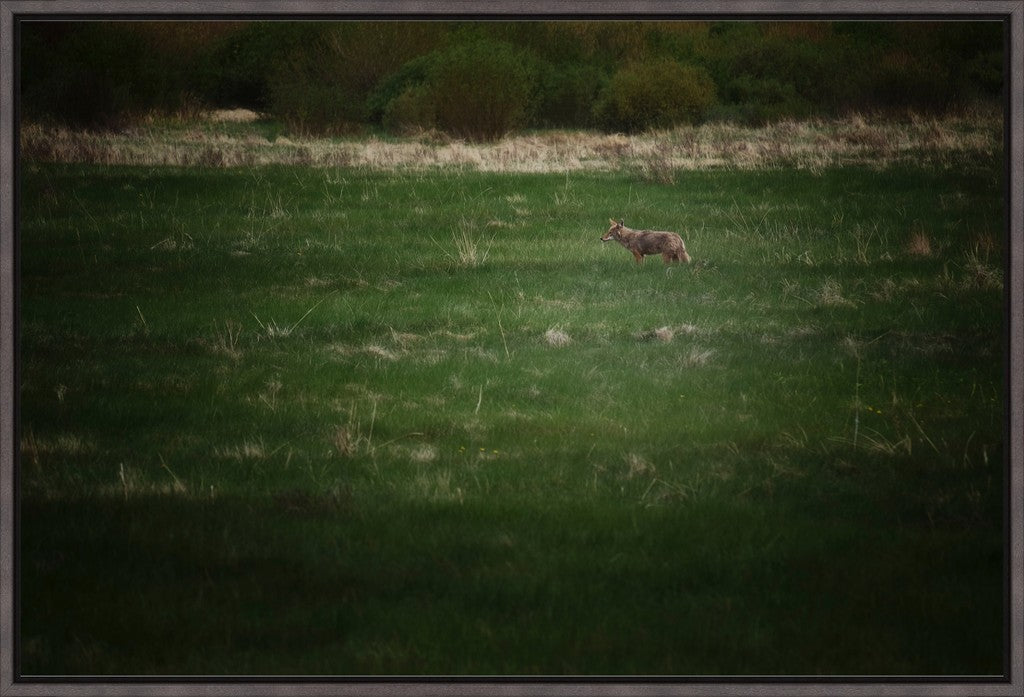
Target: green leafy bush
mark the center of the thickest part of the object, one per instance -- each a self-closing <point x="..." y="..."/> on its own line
<point x="760" y="101"/>
<point x="657" y="94"/>
<point x="481" y="79"/>
<point x="481" y="90"/>
<point x="324" y="85"/>
<point x="411" y="76"/>
<point x="412" y="110"/>
<point x="566" y="94"/>
<point x="237" y="70"/>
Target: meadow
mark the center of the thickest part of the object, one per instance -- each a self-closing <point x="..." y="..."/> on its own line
<point x="362" y="417"/>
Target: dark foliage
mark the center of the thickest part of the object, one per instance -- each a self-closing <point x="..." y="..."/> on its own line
<point x="655" y="94"/>
<point x="479" y="80"/>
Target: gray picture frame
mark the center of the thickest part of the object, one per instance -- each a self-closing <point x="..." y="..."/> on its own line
<point x="1010" y="11"/>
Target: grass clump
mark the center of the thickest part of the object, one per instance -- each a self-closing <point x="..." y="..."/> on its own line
<point x="557" y="338"/>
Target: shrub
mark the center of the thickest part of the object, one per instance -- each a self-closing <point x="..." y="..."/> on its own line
<point x="657" y="94"/>
<point x="237" y="69"/>
<point x="904" y="80"/>
<point x="413" y="74"/>
<point x="325" y="84"/>
<point x="566" y="94"/>
<point x="311" y="90"/>
<point x="412" y="110"/>
<point x="100" y="74"/>
<point x="481" y="90"/>
<point x="766" y="100"/>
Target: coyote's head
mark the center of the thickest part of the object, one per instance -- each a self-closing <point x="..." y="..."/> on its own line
<point x="613" y="232"/>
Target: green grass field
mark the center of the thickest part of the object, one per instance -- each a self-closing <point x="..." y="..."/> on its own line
<point x="290" y="420"/>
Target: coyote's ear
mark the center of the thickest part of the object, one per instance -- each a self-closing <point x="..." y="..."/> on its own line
<point x="620" y="223"/>
<point x="612" y="221"/>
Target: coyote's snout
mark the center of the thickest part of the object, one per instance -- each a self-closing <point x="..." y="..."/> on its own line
<point x="643" y="242"/>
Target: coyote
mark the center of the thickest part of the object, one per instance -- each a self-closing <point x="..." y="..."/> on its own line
<point x="642" y="242"/>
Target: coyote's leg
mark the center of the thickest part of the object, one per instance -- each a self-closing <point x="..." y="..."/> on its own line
<point x="639" y="257"/>
<point x="668" y="257"/>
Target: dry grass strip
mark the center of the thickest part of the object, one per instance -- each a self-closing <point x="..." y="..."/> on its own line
<point x="813" y="144"/>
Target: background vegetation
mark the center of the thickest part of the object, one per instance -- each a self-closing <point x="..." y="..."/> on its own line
<point x="331" y="78"/>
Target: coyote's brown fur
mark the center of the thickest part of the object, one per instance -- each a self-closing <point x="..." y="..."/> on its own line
<point x="643" y="242"/>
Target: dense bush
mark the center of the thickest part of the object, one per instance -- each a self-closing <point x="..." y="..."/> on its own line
<point x="759" y="101"/>
<point x="481" y="79"/>
<point x="566" y="94"/>
<point x="324" y="85"/>
<point x="411" y="111"/>
<point x="100" y="74"/>
<point x="309" y="89"/>
<point x="478" y="90"/>
<point x="481" y="90"/>
<point x="657" y="94"/>
<point x="411" y="76"/>
<point x="238" y="68"/>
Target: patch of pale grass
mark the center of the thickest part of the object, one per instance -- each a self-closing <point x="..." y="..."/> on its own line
<point x="423" y="453"/>
<point x="978" y="274"/>
<point x="455" y="335"/>
<point x="374" y="350"/>
<point x="802" y="331"/>
<point x="378" y="351"/>
<point x="556" y="337"/>
<point x="920" y="244"/>
<point x="876" y="442"/>
<point x="344" y="440"/>
<point x="273" y="330"/>
<point x="658" y="166"/>
<point x="428" y="356"/>
<point x="356" y="437"/>
<point x="183" y="242"/>
<point x="249" y="450"/>
<point x="985" y="244"/>
<point x="225" y="340"/>
<point x="830" y="294"/>
<point x="269" y="395"/>
<point x="466" y="249"/>
<point x="697" y="357"/>
<point x="232" y="116"/>
<point x="811" y="145"/>
<point x="852" y="345"/>
<point x="405" y="338"/>
<point x="435" y="486"/>
<point x="662" y="334"/>
<point x="131" y="482"/>
<point x="61" y="444"/>
<point x="638" y="466"/>
<point x="501" y="224"/>
<point x="886" y="290"/>
<point x="979" y="271"/>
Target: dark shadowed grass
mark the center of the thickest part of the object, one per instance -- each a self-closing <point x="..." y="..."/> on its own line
<point x="293" y="421"/>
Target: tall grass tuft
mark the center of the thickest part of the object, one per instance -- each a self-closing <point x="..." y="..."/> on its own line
<point x="466" y="248"/>
<point x="920" y="244"/>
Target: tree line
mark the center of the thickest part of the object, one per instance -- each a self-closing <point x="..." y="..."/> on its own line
<point x="480" y="80"/>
